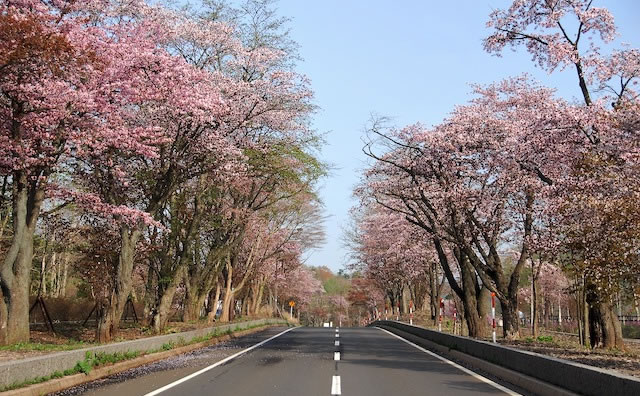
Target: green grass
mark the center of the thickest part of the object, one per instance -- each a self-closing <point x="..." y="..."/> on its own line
<point x="36" y="346"/>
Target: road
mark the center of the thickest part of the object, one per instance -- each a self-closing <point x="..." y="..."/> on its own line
<point x="301" y="361"/>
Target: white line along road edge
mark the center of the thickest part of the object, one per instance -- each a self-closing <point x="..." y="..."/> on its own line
<point x="456" y="365"/>
<point x="223" y="361"/>
<point x="335" y="385"/>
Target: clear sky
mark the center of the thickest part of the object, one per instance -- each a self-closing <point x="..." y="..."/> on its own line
<point x="409" y="60"/>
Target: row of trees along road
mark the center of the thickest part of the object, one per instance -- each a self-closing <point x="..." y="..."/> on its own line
<point x="154" y="144"/>
<point x="516" y="178"/>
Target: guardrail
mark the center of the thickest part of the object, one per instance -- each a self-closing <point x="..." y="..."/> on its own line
<point x="574" y="377"/>
<point x="16" y="371"/>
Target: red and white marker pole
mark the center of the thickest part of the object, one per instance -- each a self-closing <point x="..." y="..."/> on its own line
<point x="455" y="319"/>
<point x="386" y="313"/>
<point x="411" y="313"/>
<point x="493" y="315"/>
<point x="440" y="317"/>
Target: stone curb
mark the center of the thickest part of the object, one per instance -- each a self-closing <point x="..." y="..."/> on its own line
<point x="70" y="381"/>
<point x="531" y="371"/>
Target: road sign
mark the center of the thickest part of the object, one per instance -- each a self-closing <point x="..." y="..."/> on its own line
<point x="292" y="303"/>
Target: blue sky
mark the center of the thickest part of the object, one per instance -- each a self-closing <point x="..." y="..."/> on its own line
<point x="409" y="60"/>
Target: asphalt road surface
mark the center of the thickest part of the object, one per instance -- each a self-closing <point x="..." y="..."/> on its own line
<point x="301" y="361"/>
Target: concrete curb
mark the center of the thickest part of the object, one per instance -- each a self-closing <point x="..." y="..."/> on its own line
<point x="531" y="371"/>
<point x="70" y="381"/>
<point x="523" y="381"/>
<point x="40" y="366"/>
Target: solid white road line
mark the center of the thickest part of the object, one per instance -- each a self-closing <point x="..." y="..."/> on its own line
<point x="223" y="361"/>
<point x="335" y="385"/>
<point x="337" y="343"/>
<point x="456" y="365"/>
<point x="336" y="356"/>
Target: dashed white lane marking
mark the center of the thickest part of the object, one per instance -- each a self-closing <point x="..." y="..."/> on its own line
<point x="456" y="365"/>
<point x="337" y="335"/>
<point x="223" y="361"/>
<point x="335" y="385"/>
<point x="337" y="343"/>
<point x="336" y="356"/>
<point x="337" y="330"/>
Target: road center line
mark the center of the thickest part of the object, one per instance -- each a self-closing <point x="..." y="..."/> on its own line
<point x="337" y="343"/>
<point x="456" y="365"/>
<point x="335" y="385"/>
<point x="337" y="335"/>
<point x="336" y="356"/>
<point x="223" y="361"/>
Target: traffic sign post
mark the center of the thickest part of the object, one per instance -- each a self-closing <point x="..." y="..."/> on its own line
<point x="291" y="305"/>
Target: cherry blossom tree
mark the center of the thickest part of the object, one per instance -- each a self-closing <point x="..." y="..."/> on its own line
<point x="51" y="114"/>
<point x="599" y="168"/>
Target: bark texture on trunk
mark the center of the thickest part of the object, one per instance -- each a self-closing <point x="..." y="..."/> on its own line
<point x="213" y="304"/>
<point x="15" y="270"/>
<point x="109" y="321"/>
<point x="605" y="330"/>
<point x="510" y="321"/>
<point x="228" y="293"/>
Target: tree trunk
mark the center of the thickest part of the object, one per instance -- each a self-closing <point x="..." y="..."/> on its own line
<point x="228" y="293"/>
<point x="434" y="293"/>
<point x="534" y="307"/>
<point x="43" y="274"/>
<point x="245" y="306"/>
<point x="475" y="322"/>
<point x="511" y="327"/>
<point x="109" y="321"/>
<point x="54" y="260"/>
<point x="611" y="328"/>
<point x="258" y="302"/>
<point x="14" y="304"/>
<point x="211" y="317"/>
<point x="193" y="305"/>
<point x="15" y="273"/>
<point x="150" y="297"/>
<point x="63" y="288"/>
<point x="162" y="311"/>
<point x="604" y="327"/>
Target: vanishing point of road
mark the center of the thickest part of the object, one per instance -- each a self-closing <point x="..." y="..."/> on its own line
<point x="301" y="361"/>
